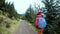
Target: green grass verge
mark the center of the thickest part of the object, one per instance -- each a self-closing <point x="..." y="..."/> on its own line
<point x="31" y="26"/>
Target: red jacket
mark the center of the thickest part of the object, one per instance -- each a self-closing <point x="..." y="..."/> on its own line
<point x="36" y="20"/>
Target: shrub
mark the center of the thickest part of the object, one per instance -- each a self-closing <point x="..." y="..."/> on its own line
<point x="1" y="20"/>
<point x="8" y="25"/>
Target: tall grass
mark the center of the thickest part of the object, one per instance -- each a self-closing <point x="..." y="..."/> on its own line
<point x="7" y="25"/>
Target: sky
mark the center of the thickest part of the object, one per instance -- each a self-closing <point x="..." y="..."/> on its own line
<point x="22" y="5"/>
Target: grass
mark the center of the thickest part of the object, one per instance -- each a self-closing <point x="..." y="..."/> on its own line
<point x="5" y="21"/>
<point x="31" y="26"/>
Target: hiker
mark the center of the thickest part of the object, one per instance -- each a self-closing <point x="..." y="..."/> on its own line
<point x="40" y="22"/>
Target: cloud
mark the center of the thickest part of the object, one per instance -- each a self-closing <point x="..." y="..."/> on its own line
<point x="22" y="5"/>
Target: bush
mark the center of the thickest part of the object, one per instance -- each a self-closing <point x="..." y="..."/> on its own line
<point x="8" y="22"/>
<point x="0" y="12"/>
<point x="1" y="19"/>
<point x="8" y="25"/>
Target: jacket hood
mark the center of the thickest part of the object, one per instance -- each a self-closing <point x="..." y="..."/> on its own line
<point x="38" y="13"/>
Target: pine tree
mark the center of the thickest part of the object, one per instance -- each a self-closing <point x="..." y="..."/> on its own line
<point x="30" y="15"/>
<point x="52" y="7"/>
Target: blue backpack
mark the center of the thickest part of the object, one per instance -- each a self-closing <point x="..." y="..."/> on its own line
<point x="41" y="23"/>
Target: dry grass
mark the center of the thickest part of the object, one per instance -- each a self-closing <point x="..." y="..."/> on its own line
<point x="13" y="25"/>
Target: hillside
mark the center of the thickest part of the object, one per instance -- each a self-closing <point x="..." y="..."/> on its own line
<point x="7" y="25"/>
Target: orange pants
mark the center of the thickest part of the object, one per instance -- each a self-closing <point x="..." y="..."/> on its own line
<point x="40" y="31"/>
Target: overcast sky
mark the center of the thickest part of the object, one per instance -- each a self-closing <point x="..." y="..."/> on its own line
<point x="22" y="5"/>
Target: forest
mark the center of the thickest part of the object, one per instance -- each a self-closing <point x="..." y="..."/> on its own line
<point x="51" y="13"/>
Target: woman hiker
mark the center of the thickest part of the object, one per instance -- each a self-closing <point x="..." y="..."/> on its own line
<point x="40" y="22"/>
